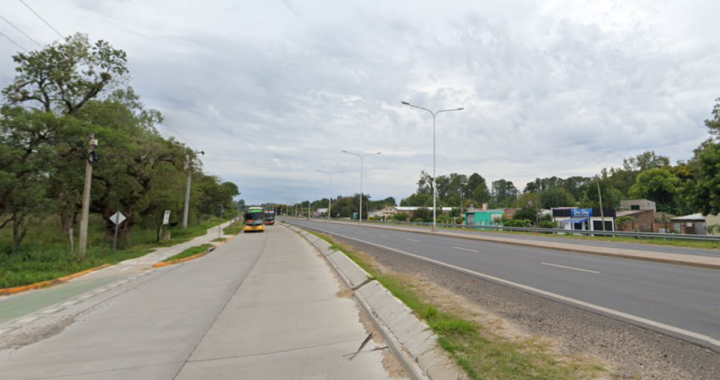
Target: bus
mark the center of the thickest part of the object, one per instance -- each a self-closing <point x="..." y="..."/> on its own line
<point x="254" y="219"/>
<point x="269" y="218"/>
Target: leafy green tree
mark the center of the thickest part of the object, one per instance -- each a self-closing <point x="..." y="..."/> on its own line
<point x="703" y="193"/>
<point x="401" y="217"/>
<point x="423" y="213"/>
<point x="504" y="193"/>
<point x="658" y="185"/>
<point x="556" y="197"/>
<point x="645" y="161"/>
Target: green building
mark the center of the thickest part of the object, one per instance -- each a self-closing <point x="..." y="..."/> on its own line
<point x="484" y="218"/>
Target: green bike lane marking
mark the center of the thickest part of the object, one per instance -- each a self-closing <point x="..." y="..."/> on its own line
<point x="16" y="306"/>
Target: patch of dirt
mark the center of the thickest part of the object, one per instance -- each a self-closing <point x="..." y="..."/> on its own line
<point x="34" y="335"/>
<point x="393" y="366"/>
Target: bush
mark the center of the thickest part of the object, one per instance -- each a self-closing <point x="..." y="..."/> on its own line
<point x="401" y="217"/>
<point x="443" y="219"/>
<point x="624" y="219"/>
<point x="418" y="220"/>
<point x="548" y="224"/>
<point x="518" y="223"/>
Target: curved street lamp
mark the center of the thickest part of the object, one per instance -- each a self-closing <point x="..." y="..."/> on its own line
<point x="362" y="156"/>
<point x="434" y="226"/>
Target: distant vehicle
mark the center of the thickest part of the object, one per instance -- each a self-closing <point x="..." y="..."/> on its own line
<point x="254" y="220"/>
<point x="269" y="218"/>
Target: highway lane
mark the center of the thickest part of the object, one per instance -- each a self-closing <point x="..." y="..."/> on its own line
<point x="595" y="243"/>
<point x="682" y="297"/>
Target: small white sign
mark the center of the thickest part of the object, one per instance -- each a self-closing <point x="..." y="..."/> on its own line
<point x="166" y="218"/>
<point x="117" y="218"/>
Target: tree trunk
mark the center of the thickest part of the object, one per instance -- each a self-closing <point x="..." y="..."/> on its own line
<point x="19" y="231"/>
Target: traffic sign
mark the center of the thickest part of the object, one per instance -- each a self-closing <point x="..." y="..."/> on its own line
<point x="166" y="218"/>
<point x="117" y="218"/>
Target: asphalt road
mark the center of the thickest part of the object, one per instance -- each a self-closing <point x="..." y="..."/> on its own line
<point x="595" y="243"/>
<point x="685" y="299"/>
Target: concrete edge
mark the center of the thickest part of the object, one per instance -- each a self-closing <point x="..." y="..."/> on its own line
<point x="575" y="249"/>
<point x="195" y="256"/>
<point x="45" y="284"/>
<point x="410" y="358"/>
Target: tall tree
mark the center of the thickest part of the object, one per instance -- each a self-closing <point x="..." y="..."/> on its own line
<point x="658" y="185"/>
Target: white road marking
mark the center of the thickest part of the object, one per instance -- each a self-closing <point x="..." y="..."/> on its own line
<point x="466" y="249"/>
<point x="86" y="296"/>
<point x="103" y="290"/>
<point x="51" y="311"/>
<point x="124" y="269"/>
<point x="587" y="305"/>
<point x="69" y="303"/>
<point x="573" y="268"/>
<point x="27" y="320"/>
<point x="417" y="241"/>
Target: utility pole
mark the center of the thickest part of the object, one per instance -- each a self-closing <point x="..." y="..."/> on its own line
<point x="330" y="199"/>
<point x="602" y="213"/>
<point x="91" y="159"/>
<point x="187" y="190"/>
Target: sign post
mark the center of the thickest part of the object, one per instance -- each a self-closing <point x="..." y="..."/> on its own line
<point x="117" y="218"/>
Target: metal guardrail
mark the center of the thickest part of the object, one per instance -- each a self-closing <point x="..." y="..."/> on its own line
<point x="639" y="235"/>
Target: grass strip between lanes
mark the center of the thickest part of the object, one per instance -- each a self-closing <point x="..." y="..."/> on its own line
<point x="189" y="252"/>
<point x="233" y="229"/>
<point x="47" y="256"/>
<point x="481" y="352"/>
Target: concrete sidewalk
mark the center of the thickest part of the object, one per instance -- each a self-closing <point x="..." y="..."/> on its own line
<point x="661" y="257"/>
<point x="262" y="306"/>
<point x="287" y="321"/>
<point x="18" y="305"/>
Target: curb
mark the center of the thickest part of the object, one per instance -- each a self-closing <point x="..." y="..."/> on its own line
<point x="45" y="284"/>
<point x="665" y="258"/>
<point x="411" y="339"/>
<point x="193" y="257"/>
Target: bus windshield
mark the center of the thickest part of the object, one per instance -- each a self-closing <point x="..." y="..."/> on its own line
<point x="254" y="217"/>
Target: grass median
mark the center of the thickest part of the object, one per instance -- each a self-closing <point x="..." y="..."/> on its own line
<point x="478" y="348"/>
<point x="46" y="255"/>
<point x="189" y="252"/>
<point x="233" y="229"/>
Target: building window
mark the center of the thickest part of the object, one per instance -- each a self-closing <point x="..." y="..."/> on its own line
<point x="634" y="207"/>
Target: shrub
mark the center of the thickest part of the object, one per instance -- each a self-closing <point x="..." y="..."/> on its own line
<point x="518" y="223"/>
<point x="417" y="220"/>
<point x="401" y="217"/>
<point x="548" y="224"/>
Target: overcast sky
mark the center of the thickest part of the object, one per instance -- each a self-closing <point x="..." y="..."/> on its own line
<point x="272" y="91"/>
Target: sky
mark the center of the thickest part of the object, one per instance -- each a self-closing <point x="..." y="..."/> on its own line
<point x="274" y="91"/>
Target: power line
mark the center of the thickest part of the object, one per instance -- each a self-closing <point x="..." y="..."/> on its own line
<point x="23" y="33"/>
<point x="10" y="39"/>
<point x="43" y="20"/>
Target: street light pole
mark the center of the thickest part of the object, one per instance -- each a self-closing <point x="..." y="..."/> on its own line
<point x="302" y="180"/>
<point x="362" y="156"/>
<point x="330" y="198"/>
<point x="434" y="227"/>
<point x="187" y="189"/>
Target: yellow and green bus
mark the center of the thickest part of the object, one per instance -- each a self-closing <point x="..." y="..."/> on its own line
<point x="254" y="219"/>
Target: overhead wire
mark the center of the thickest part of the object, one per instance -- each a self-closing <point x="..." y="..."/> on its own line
<point x="11" y="40"/>
<point x="43" y="20"/>
<point x="20" y="30"/>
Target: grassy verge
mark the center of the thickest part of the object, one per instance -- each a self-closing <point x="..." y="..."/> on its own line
<point x="189" y="252"/>
<point x="45" y="254"/>
<point x="219" y="240"/>
<point x="629" y="240"/>
<point x="233" y="229"/>
<point x="477" y="348"/>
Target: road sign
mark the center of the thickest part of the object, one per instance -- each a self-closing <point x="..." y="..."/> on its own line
<point x="166" y="218"/>
<point x="117" y="218"/>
